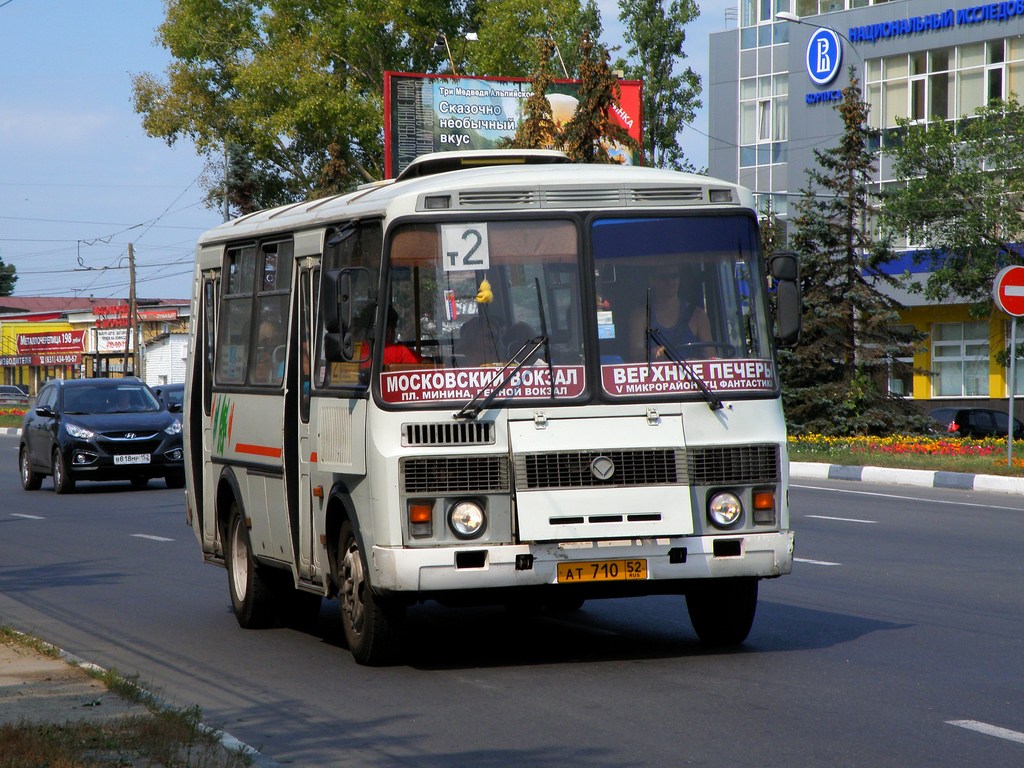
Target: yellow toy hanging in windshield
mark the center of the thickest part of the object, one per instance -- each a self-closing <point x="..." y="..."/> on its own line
<point x="484" y="295"/>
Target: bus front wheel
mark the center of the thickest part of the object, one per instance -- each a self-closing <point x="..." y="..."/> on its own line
<point x="722" y="610"/>
<point x="371" y="623"/>
<point x="251" y="595"/>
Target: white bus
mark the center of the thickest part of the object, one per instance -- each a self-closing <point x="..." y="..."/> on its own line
<point x="500" y="378"/>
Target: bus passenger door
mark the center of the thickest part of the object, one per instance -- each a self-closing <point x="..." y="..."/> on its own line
<point x="300" y="458"/>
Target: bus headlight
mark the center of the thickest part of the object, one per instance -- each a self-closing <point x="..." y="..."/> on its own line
<point x="467" y="519"/>
<point x="724" y="509"/>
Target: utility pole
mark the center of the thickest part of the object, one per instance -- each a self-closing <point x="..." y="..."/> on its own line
<point x="130" y="333"/>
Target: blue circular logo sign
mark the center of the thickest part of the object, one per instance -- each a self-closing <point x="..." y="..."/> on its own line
<point x="824" y="56"/>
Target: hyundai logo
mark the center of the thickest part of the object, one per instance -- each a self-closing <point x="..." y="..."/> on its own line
<point x="130" y="435"/>
<point x="602" y="468"/>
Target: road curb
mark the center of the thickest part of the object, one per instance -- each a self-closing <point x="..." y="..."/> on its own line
<point x="920" y="478"/>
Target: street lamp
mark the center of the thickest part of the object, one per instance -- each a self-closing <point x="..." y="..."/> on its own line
<point x="441" y="44"/>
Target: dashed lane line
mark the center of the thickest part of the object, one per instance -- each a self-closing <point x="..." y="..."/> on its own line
<point x="843" y="519"/>
<point x="151" y="538"/>
<point x="26" y="517"/>
<point x="813" y="562"/>
<point x="989" y="730"/>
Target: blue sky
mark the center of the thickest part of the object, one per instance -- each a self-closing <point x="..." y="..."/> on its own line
<point x="80" y="179"/>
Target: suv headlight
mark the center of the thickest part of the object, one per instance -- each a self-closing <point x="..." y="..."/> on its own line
<point x="80" y="432"/>
<point x="174" y="428"/>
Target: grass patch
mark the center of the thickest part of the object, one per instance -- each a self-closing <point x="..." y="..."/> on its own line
<point x="944" y="454"/>
<point x="165" y="737"/>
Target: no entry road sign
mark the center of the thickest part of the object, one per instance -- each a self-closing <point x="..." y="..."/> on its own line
<point x="1008" y="290"/>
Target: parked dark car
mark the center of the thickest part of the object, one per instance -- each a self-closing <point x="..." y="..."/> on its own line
<point x="11" y="394"/>
<point x="977" y="422"/>
<point x="99" y="429"/>
<point x="172" y="396"/>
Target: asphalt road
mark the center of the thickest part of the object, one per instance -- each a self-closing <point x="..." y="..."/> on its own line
<point x="897" y="641"/>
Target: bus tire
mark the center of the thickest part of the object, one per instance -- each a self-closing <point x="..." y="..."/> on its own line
<point x="251" y="596"/>
<point x="372" y="624"/>
<point x="30" y="480"/>
<point x="722" y="610"/>
<point x="63" y="482"/>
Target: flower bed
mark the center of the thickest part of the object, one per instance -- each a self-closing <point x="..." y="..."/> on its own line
<point x="910" y="451"/>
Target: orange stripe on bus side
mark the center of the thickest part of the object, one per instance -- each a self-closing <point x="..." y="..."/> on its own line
<point x="258" y="450"/>
<point x="312" y="457"/>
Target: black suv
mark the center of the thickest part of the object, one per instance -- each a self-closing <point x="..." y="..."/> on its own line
<point x="99" y="429"/>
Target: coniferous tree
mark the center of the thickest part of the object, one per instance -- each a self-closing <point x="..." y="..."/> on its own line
<point x="587" y="137"/>
<point x="835" y="381"/>
<point x="537" y="130"/>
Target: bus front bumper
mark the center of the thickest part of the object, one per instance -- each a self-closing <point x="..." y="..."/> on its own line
<point x="447" y="569"/>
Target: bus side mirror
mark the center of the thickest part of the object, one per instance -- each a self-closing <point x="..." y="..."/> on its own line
<point x="343" y="291"/>
<point x="785" y="269"/>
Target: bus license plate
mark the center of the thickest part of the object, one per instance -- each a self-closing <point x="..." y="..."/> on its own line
<point x="131" y="458"/>
<point x="601" y="570"/>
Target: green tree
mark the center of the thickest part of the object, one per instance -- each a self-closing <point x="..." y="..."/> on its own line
<point x="283" y="82"/>
<point x="655" y="32"/>
<point x="835" y="381"/>
<point x="963" y="199"/>
<point x="505" y="28"/>
<point x="8" y="277"/>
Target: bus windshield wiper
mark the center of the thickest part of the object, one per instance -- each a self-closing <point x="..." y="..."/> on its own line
<point x="473" y="408"/>
<point x="655" y="335"/>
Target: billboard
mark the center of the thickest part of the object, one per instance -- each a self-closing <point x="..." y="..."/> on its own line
<point x="438" y="113"/>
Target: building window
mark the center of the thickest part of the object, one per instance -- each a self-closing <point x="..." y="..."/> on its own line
<point x="960" y="359"/>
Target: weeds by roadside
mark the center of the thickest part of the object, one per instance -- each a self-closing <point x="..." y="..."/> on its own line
<point x="163" y="737"/>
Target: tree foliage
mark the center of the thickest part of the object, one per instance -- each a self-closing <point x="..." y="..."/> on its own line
<point x="835" y="381"/>
<point x="8" y="278"/>
<point x="655" y="32"/>
<point x="285" y="97"/>
<point x="588" y="136"/>
<point x="963" y="201"/>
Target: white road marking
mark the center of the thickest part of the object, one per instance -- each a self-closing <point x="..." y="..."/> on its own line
<point x="989" y="730"/>
<point x="151" y="538"/>
<point x="813" y="562"/>
<point x="904" y="498"/>
<point x="27" y="517"/>
<point x="843" y="519"/>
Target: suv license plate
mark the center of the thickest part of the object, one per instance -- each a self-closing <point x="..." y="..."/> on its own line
<point x="131" y="458"/>
<point x="602" y="570"/>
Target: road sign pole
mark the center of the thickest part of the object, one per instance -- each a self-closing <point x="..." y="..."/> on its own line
<point x="1013" y="386"/>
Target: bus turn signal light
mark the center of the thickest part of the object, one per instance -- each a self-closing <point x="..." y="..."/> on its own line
<point x="764" y="507"/>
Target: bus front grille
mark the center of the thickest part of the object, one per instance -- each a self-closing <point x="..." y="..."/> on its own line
<point x="734" y="464"/>
<point x="448" y="433"/>
<point x="455" y="474"/>
<point x="601" y="469"/>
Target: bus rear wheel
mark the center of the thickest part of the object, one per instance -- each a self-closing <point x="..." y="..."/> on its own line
<point x="251" y="595"/>
<point x="722" y="610"/>
<point x="372" y="624"/>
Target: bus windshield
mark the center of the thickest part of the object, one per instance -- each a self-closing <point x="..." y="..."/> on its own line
<point x="679" y="297"/>
<point x="676" y="298"/>
<point x="465" y="298"/>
